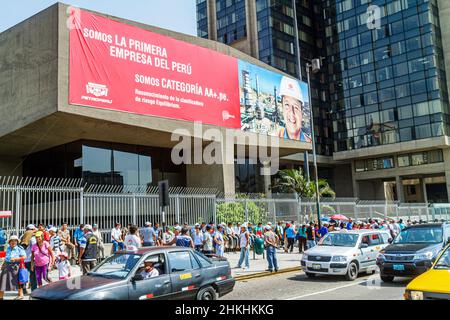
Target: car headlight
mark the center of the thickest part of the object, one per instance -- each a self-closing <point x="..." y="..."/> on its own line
<point x="305" y="257"/>
<point x="339" y="259"/>
<point x="416" y="295"/>
<point x="424" y="256"/>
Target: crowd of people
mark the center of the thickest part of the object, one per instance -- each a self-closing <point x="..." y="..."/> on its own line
<point x="42" y="249"/>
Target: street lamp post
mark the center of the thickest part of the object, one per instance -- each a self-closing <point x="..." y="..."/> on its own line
<point x="315" y="67"/>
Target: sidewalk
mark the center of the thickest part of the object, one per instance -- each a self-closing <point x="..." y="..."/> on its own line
<point x="258" y="267"/>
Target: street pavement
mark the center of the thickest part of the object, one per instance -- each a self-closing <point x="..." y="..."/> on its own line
<point x="258" y="263"/>
<point x="296" y="286"/>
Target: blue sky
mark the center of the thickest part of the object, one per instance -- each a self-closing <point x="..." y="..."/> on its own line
<point x="176" y="15"/>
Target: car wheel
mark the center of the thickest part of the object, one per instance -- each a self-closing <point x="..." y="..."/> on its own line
<point x="207" y="293"/>
<point x="352" y="272"/>
<point x="386" y="278"/>
<point x="310" y="275"/>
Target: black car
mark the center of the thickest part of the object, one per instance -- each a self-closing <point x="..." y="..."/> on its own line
<point x="183" y="274"/>
<point x="413" y="251"/>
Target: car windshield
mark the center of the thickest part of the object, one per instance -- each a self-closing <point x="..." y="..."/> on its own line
<point x="444" y="260"/>
<point x="419" y="235"/>
<point x="339" y="240"/>
<point x="116" y="266"/>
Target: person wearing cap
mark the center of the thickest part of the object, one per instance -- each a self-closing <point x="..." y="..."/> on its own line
<point x="87" y="258"/>
<point x="219" y="242"/>
<point x="292" y="102"/>
<point x="148" y="235"/>
<point x="29" y="233"/>
<point x="9" y="274"/>
<point x="63" y="266"/>
<point x="100" y="245"/>
<point x="244" y="243"/>
<point x="198" y="238"/>
<point x="41" y="227"/>
<point x="271" y="243"/>
<point x="42" y="258"/>
<point x="55" y="241"/>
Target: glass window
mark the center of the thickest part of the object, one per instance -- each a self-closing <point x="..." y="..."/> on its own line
<point x="360" y="166"/>
<point x="423" y="131"/>
<point x="366" y="57"/>
<point x="369" y="77"/>
<point x="413" y="44"/>
<point x="406" y="134"/>
<point x="97" y="165"/>
<point x="421" y="109"/>
<point x="418" y="87"/>
<point x="145" y="170"/>
<point x="435" y="156"/>
<point x="402" y="91"/>
<point x="405" y="112"/>
<point x="417" y="159"/>
<point x="404" y="161"/>
<point x="400" y="69"/>
<point x="125" y="168"/>
<point x="180" y="261"/>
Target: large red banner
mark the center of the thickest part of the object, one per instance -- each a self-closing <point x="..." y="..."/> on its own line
<point x="120" y="67"/>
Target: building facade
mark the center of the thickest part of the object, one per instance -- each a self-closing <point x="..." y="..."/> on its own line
<point x="43" y="134"/>
<point x="380" y="102"/>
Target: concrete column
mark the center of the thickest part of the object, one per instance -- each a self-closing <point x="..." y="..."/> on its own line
<point x="446" y="153"/>
<point x="424" y="190"/>
<point x="355" y="183"/>
<point x="400" y="189"/>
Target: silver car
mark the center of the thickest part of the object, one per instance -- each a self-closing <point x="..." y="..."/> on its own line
<point x="345" y="252"/>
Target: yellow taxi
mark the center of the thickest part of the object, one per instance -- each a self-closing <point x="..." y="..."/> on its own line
<point x="433" y="284"/>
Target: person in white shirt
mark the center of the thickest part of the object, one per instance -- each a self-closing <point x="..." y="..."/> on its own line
<point x="116" y="238"/>
<point x="63" y="265"/>
<point x="150" y="271"/>
<point x="132" y="241"/>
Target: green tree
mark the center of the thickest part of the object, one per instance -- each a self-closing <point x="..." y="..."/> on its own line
<point x="293" y="181"/>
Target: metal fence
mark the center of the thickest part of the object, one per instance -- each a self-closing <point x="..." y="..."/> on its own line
<point x="53" y="201"/>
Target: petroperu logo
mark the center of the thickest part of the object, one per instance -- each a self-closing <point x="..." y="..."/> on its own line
<point x="98" y="90"/>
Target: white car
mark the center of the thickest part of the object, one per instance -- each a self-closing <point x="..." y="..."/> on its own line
<point x="345" y="252"/>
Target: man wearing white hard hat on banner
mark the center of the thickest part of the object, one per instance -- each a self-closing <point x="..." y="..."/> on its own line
<point x="292" y="102"/>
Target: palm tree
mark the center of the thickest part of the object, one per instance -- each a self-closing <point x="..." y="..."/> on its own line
<point x="293" y="181"/>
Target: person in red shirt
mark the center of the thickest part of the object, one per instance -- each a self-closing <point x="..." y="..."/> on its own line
<point x="41" y="228"/>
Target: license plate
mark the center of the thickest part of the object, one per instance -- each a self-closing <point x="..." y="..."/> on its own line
<point x="399" y="267"/>
<point x="316" y="266"/>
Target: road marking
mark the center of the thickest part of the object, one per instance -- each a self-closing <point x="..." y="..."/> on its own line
<point x="328" y="290"/>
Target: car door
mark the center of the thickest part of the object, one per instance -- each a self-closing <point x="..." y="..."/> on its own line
<point x="375" y="245"/>
<point x="159" y="287"/>
<point x="365" y="251"/>
<point x="185" y="274"/>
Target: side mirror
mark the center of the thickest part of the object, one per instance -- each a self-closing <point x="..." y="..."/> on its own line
<point x="137" y="277"/>
<point x="363" y="245"/>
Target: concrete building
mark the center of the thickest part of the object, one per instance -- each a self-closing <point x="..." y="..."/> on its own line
<point x="381" y="103"/>
<point x="42" y="135"/>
